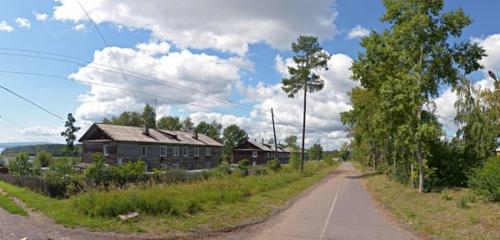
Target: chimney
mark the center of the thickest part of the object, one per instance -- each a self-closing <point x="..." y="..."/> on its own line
<point x="146" y="130"/>
<point x="195" y="134"/>
<point x="262" y="140"/>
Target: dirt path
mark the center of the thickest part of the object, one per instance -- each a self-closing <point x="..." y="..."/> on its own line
<point x="340" y="208"/>
<point x="39" y="227"/>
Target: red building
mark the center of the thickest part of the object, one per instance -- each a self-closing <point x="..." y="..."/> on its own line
<point x="258" y="153"/>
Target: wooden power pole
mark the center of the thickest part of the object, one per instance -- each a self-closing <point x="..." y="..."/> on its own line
<point x="274" y="131"/>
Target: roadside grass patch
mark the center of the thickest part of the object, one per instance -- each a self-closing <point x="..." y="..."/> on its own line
<point x="10" y="206"/>
<point x="208" y="205"/>
<point x="434" y="213"/>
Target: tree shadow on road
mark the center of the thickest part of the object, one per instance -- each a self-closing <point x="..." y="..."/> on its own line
<point x="364" y="175"/>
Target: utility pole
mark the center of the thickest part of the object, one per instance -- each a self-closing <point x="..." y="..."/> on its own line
<point x="274" y="131"/>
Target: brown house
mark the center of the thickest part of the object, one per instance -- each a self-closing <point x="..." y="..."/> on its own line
<point x="161" y="149"/>
<point x="258" y="153"/>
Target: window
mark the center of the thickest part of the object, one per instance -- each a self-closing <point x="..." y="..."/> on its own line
<point x="144" y="151"/>
<point x="209" y="152"/>
<point x="268" y="154"/>
<point x="186" y="152"/>
<point x="176" y="151"/>
<point x="254" y="154"/>
<point x="196" y="152"/>
<point x="105" y="150"/>
<point x="175" y="165"/>
<point x="163" y="151"/>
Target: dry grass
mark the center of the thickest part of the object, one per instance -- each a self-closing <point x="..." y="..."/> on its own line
<point x="454" y="214"/>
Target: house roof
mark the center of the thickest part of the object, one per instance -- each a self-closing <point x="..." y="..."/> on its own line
<point x="135" y="134"/>
<point x="264" y="147"/>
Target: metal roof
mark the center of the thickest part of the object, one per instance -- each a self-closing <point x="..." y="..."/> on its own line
<point x="266" y="147"/>
<point x="136" y="134"/>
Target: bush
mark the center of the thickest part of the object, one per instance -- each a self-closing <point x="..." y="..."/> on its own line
<point x="243" y="164"/>
<point x="98" y="173"/>
<point x="273" y="165"/>
<point x="20" y="165"/>
<point x="445" y="195"/>
<point x="42" y="159"/>
<point x="486" y="180"/>
<point x="295" y="160"/>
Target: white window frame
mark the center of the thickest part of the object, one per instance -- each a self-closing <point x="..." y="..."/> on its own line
<point x="144" y="150"/>
<point x="255" y="154"/>
<point x="163" y="151"/>
<point x="176" y="151"/>
<point x="208" y="152"/>
<point x="105" y="150"/>
<point x="196" y="151"/>
<point x="185" y="151"/>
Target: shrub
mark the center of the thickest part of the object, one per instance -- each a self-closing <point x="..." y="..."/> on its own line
<point x="273" y="165"/>
<point x="486" y="180"/>
<point x="42" y="159"/>
<point x="244" y="164"/>
<point x="98" y="173"/>
<point x="445" y="195"/>
<point x="295" y="160"/>
<point x="20" y="165"/>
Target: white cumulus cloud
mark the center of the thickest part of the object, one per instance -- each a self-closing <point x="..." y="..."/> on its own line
<point x="5" y="27"/>
<point x="173" y="79"/>
<point x="225" y="25"/>
<point x="41" y="16"/>
<point x="358" y="32"/>
<point x="23" y="22"/>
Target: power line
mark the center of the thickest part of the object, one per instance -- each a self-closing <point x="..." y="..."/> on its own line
<point x="31" y="102"/>
<point x="107" y="44"/>
<point x="14" y="126"/>
<point x="86" y="63"/>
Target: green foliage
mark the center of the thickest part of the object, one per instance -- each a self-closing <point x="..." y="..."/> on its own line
<point x="56" y="150"/>
<point x="315" y="152"/>
<point x="291" y="141"/>
<point x="126" y="119"/>
<point x="243" y="164"/>
<point x="273" y="165"/>
<point x="20" y="165"/>
<point x="98" y="173"/>
<point x="309" y="56"/>
<point x="10" y="206"/>
<point x="401" y="72"/>
<point x="184" y="199"/>
<point x="42" y="159"/>
<point x="70" y="134"/>
<point x="486" y="180"/>
<point x="445" y="195"/>
<point x="149" y="116"/>
<point x="213" y="129"/>
<point x="294" y="160"/>
<point x="187" y="125"/>
<point x="170" y="123"/>
<point x="129" y="172"/>
<point x="232" y="137"/>
<point x="63" y="165"/>
<point x="327" y="159"/>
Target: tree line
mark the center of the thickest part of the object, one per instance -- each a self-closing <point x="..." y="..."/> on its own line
<point x="401" y="71"/>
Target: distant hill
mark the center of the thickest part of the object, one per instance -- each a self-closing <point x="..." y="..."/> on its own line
<point x="54" y="149"/>
<point x="17" y="144"/>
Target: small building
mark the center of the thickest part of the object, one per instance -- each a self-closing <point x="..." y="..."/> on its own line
<point x="497" y="151"/>
<point x="160" y="149"/>
<point x="258" y="153"/>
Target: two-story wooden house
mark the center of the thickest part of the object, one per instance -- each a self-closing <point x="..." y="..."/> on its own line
<point x="161" y="149"/>
<point x="258" y="153"/>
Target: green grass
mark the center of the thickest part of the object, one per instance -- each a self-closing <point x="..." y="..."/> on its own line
<point x="10" y="206"/>
<point x="454" y="214"/>
<point x="209" y="205"/>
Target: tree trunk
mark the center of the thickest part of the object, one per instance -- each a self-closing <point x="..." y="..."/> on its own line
<point x="420" y="171"/>
<point x="304" y="127"/>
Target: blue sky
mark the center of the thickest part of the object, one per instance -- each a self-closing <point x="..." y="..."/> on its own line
<point x="255" y="87"/>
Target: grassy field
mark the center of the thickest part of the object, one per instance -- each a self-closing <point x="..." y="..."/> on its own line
<point x="10" y="206"/>
<point x="209" y="205"/>
<point x="450" y="214"/>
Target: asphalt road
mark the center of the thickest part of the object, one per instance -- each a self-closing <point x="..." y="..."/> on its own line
<point x="338" y="208"/>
